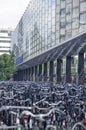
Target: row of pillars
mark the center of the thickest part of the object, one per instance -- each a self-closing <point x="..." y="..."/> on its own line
<point x="36" y="71"/>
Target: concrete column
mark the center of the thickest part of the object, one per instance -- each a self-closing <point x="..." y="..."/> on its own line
<point x="68" y="69"/>
<point x="59" y="62"/>
<point x="45" y="71"/>
<point x="51" y="70"/>
<point x="20" y="75"/>
<point x="80" y="68"/>
<point x="17" y="75"/>
<point x="28" y="74"/>
<point x="40" y="72"/>
<point x="32" y="72"/>
<point x="36" y="73"/>
<point x="23" y="74"/>
<point x="14" y="77"/>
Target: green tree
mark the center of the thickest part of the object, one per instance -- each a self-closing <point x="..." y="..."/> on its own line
<point x="7" y="66"/>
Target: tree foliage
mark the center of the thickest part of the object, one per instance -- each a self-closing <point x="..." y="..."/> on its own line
<point x="7" y="66"/>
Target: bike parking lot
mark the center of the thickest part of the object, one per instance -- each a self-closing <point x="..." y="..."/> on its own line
<point x="29" y="105"/>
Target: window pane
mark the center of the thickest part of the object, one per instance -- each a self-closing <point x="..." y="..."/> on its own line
<point x="83" y="6"/>
<point x="83" y="18"/>
<point x="75" y="3"/>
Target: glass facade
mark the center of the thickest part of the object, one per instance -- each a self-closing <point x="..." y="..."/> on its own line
<point x="46" y="23"/>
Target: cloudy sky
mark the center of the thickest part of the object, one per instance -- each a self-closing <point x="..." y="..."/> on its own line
<point x="11" y="12"/>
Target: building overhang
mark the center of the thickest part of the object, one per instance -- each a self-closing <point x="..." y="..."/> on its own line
<point x="71" y="47"/>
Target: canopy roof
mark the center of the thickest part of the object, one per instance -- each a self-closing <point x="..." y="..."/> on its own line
<point x="71" y="47"/>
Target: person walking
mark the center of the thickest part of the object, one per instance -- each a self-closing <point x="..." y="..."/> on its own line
<point x="31" y="123"/>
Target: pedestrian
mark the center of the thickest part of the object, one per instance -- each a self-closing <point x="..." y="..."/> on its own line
<point x="31" y="123"/>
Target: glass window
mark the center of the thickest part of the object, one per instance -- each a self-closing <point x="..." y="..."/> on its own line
<point x="53" y="13"/>
<point x="68" y="23"/>
<point x="68" y="18"/>
<point x="75" y="3"/>
<point x="57" y="17"/>
<point x="62" y="38"/>
<point x="63" y="4"/>
<point x="53" y="21"/>
<point x="53" y="36"/>
<point x="68" y="35"/>
<point x="62" y="24"/>
<point x="49" y="11"/>
<point x="75" y="12"/>
<point x="53" y="28"/>
<point x="57" y="34"/>
<point x="57" y="26"/>
<point x="83" y="6"/>
<point x="62" y="12"/>
<point x="68" y="1"/>
<point x="46" y="29"/>
<point x="51" y="2"/>
<point x="69" y="9"/>
<point x="57" y="2"/>
<point x="74" y="32"/>
<point x="53" y="7"/>
<point x="57" y="41"/>
<point x="62" y="31"/>
<point x="83" y="18"/>
<point x="75" y="23"/>
<point x="58" y="9"/>
<point x="49" y="40"/>
<point x="49" y="24"/>
<point x="49" y="17"/>
<point x="82" y="28"/>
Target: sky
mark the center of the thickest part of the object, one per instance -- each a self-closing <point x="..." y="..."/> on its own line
<point x="11" y="11"/>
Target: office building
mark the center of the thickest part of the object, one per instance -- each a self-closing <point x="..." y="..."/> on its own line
<point x="5" y="40"/>
<point x="46" y="24"/>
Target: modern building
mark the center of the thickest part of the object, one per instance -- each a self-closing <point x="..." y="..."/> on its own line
<point x="47" y="24"/>
<point x="5" y="40"/>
